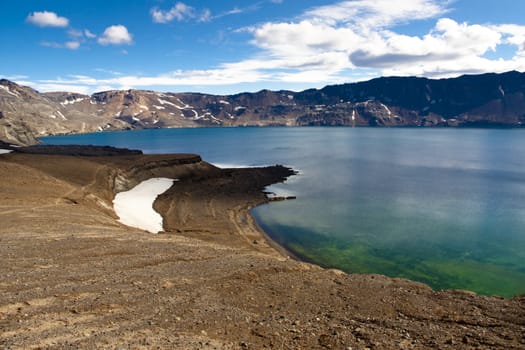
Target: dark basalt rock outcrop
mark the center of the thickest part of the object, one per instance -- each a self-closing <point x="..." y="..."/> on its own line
<point x="78" y="150"/>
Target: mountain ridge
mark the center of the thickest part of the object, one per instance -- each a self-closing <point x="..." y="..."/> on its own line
<point x="485" y="100"/>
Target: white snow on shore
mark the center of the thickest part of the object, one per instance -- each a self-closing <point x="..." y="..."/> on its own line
<point x="135" y="207"/>
<point x="4" y="151"/>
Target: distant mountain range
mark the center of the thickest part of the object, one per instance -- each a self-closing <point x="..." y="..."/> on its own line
<point x="487" y="100"/>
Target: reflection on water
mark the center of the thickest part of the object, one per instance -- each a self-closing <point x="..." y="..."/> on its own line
<point x="442" y="206"/>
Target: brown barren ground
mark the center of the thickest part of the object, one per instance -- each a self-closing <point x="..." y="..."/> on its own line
<point x="73" y="277"/>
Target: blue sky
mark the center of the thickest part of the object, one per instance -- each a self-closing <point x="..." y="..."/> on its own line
<point x="230" y="46"/>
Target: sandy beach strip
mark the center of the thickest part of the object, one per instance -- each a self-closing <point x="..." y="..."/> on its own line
<point x="135" y="207"/>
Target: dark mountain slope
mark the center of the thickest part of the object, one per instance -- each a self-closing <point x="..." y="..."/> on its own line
<point x="470" y="100"/>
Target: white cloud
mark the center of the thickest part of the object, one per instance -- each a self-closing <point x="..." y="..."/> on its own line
<point x="16" y="77"/>
<point x="47" y="19"/>
<point x="116" y="35"/>
<point x="346" y="41"/>
<point x="89" y="35"/>
<point x="335" y="40"/>
<point x="373" y="14"/>
<point x="107" y="71"/>
<point x="448" y="41"/>
<point x="75" y="33"/>
<point x="179" y="12"/>
<point x="49" y="87"/>
<point x="51" y="44"/>
<point x="71" y="45"/>
<point x="205" y="16"/>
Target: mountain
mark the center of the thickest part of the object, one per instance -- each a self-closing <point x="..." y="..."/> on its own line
<point x="471" y="100"/>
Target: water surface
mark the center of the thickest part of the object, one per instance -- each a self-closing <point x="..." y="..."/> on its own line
<point x="442" y="206"/>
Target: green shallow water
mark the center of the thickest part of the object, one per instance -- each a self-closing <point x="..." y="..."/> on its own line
<point x="441" y="206"/>
<point x="439" y="271"/>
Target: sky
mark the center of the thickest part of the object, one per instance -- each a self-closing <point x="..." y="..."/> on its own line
<point x="230" y="46"/>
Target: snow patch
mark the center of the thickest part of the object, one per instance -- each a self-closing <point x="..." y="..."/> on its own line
<point x="9" y="91"/>
<point x="135" y="207"/>
<point x="70" y="102"/>
<point x="184" y="105"/>
<point x="159" y="107"/>
<point x="5" y="151"/>
<point x="52" y="116"/>
<point x="387" y="109"/>
<point x="164" y="102"/>
<point x="224" y="102"/>
<point x="118" y="114"/>
<point x="61" y="115"/>
<point x="501" y="91"/>
<point x="144" y="107"/>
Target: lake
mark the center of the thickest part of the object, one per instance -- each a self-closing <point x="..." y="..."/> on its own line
<point x="442" y="206"/>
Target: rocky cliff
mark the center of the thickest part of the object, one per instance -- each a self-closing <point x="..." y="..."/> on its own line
<point x="470" y="100"/>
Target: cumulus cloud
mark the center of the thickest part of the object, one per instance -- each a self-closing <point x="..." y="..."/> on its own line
<point x="336" y="39"/>
<point x="47" y="19"/>
<point x="116" y="35"/>
<point x="345" y="41"/>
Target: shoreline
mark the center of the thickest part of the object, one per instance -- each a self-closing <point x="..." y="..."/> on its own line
<point x="74" y="277"/>
<point x="274" y="244"/>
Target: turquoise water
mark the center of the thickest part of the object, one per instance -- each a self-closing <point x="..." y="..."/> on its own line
<point x="442" y="206"/>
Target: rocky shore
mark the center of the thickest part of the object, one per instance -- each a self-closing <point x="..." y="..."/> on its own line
<point x="73" y="277"/>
